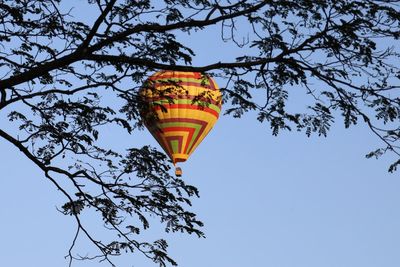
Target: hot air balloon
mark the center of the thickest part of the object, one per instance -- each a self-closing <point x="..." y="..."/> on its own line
<point x="180" y="109"/>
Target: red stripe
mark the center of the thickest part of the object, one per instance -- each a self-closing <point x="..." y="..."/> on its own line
<point x="165" y="75"/>
<point x="191" y="132"/>
<point x="158" y="136"/>
<point x="172" y="74"/>
<point x="212" y="84"/>
<point x="186" y="129"/>
<point x="180" y="83"/>
<point x="186" y="106"/>
<point x="172" y="138"/>
<point x="190" y="97"/>
<point x="202" y="123"/>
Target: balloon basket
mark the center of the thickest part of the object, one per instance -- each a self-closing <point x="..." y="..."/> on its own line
<point x="178" y="172"/>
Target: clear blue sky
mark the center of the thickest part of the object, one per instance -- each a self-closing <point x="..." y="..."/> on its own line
<point x="286" y="201"/>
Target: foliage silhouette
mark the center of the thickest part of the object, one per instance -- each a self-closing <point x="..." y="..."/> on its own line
<point x="60" y="71"/>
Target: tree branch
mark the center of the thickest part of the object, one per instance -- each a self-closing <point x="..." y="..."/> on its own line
<point x="3" y="96"/>
<point x="96" y="26"/>
<point x="179" y="25"/>
<point x="152" y="64"/>
<point x="46" y="170"/>
<point x="52" y="91"/>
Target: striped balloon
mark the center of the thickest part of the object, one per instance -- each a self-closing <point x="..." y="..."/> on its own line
<point x="180" y="110"/>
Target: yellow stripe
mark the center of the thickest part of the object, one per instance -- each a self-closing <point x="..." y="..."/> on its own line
<point x="186" y="113"/>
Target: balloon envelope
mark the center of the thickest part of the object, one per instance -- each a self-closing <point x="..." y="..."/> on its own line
<point x="180" y="110"/>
